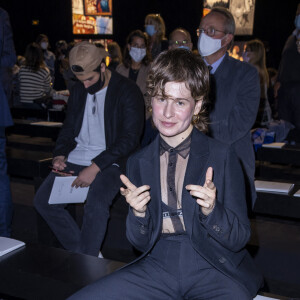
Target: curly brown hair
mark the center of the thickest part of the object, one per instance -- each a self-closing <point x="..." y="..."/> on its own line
<point x="180" y="65"/>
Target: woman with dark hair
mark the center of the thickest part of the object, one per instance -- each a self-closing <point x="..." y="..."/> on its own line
<point x="136" y="59"/>
<point x="49" y="56"/>
<point x="34" y="78"/>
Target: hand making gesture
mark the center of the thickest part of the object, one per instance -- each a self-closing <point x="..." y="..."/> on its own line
<point x="137" y="198"/>
<point x="206" y="194"/>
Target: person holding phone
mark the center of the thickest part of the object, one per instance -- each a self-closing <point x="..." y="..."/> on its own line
<point x="102" y="128"/>
<point x="186" y="192"/>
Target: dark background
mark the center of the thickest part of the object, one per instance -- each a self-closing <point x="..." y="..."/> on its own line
<point x="273" y="23"/>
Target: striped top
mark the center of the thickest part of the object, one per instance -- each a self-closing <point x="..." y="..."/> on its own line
<point x="34" y="84"/>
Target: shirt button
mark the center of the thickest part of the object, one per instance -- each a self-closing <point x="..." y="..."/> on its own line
<point x="171" y="150"/>
<point x="170" y="164"/>
<point x="170" y="189"/>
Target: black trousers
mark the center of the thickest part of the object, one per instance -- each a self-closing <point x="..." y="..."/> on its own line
<point x="89" y="237"/>
<point x="173" y="270"/>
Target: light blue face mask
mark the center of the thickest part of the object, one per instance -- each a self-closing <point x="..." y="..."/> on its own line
<point x="150" y="29"/>
<point x="297" y="22"/>
<point x="185" y="47"/>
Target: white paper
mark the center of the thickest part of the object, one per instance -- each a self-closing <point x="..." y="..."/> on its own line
<point x="63" y="192"/>
<point x="7" y="245"/>
<point x="271" y="186"/>
<point x="258" y="297"/>
<point x="274" y="145"/>
<point x="297" y="194"/>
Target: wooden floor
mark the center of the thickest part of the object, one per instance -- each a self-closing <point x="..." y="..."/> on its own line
<point x="275" y="243"/>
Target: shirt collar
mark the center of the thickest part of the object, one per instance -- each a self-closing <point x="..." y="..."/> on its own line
<point x="215" y="65"/>
<point x="183" y="149"/>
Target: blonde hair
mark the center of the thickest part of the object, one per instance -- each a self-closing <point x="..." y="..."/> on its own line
<point x="259" y="61"/>
<point x="158" y="22"/>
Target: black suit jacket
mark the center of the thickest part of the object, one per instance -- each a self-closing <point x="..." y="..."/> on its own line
<point x="123" y="121"/>
<point x="219" y="238"/>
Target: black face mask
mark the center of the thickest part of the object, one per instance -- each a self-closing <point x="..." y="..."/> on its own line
<point x="96" y="87"/>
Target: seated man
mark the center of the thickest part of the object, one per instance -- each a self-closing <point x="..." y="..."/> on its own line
<point x="102" y="128"/>
<point x="187" y="201"/>
<point x="180" y="38"/>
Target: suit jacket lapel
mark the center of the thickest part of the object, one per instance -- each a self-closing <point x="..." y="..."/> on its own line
<point x="195" y="174"/>
<point x="150" y="164"/>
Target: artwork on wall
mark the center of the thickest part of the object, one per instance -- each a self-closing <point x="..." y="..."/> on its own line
<point x="242" y="11"/>
<point x="92" y="17"/>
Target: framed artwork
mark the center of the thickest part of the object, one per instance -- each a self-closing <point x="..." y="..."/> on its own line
<point x="92" y="17"/>
<point x="98" y="7"/>
<point x="242" y="11"/>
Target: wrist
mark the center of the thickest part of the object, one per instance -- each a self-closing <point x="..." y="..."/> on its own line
<point x="138" y="214"/>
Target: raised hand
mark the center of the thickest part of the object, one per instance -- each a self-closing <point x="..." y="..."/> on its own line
<point x="206" y="194"/>
<point x="137" y="198"/>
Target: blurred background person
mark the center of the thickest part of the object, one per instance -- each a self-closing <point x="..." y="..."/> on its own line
<point x="180" y="38"/>
<point x="272" y="101"/>
<point x="7" y="61"/>
<point x="287" y="87"/>
<point x="49" y="56"/>
<point x="136" y="60"/>
<point x="34" y="78"/>
<point x="61" y="49"/>
<point x="115" y="55"/>
<point x="255" y="54"/>
<point x="15" y="81"/>
<point x="156" y="29"/>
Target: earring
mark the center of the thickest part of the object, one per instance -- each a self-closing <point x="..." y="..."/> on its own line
<point x="196" y="119"/>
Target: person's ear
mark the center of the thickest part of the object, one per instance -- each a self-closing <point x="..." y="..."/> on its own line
<point x="198" y="106"/>
<point x="227" y="39"/>
<point x="102" y="67"/>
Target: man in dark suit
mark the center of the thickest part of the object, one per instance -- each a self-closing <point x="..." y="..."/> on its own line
<point x="235" y="91"/>
<point x="102" y="128"/>
<point x="7" y="61"/>
<point x="186" y="194"/>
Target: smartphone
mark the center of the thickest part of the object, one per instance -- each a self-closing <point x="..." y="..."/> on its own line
<point x="63" y="173"/>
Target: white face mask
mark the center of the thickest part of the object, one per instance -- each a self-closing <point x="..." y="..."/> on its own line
<point x="137" y="54"/>
<point x="44" y="45"/>
<point x="207" y="45"/>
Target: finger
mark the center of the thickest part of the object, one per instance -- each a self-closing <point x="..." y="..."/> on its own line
<point x="75" y="183"/>
<point x="203" y="203"/>
<point x="209" y="174"/>
<point x="141" y="205"/>
<point x="124" y="192"/>
<point x="141" y="190"/>
<point x="210" y="185"/>
<point x="127" y="182"/>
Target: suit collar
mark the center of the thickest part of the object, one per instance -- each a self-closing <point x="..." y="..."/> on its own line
<point x="195" y="174"/>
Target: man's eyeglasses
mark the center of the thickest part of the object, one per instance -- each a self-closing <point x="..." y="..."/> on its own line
<point x="209" y="31"/>
<point x="179" y="43"/>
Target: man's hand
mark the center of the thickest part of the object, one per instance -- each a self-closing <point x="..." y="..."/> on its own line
<point x="137" y="198"/>
<point x="206" y="195"/>
<point x="58" y="162"/>
<point x="86" y="176"/>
